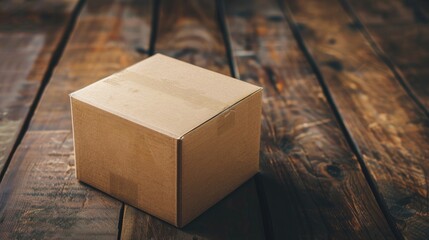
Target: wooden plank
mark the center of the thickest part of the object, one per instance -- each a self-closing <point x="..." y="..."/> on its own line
<point x="42" y="199"/>
<point x="389" y="130"/>
<point x="39" y="195"/>
<point x="400" y="32"/>
<point x="313" y="184"/>
<point x="188" y="31"/>
<point x="29" y="43"/>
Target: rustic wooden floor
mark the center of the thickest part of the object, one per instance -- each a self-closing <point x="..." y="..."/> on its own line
<point x="345" y="141"/>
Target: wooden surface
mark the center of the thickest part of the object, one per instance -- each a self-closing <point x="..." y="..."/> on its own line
<point x="345" y="125"/>
<point x="400" y="30"/>
<point x="388" y="129"/>
<point x="29" y="43"/>
<point x="307" y="168"/>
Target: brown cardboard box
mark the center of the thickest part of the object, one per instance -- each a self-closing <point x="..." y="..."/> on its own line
<point x="167" y="137"/>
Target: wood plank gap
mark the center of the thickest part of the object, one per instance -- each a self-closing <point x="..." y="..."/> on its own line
<point x="220" y="13"/>
<point x="265" y="210"/>
<point x="382" y="55"/>
<point x="47" y="76"/>
<point x="121" y="220"/>
<point x="263" y="204"/>
<point x="340" y="120"/>
<point x="154" y="26"/>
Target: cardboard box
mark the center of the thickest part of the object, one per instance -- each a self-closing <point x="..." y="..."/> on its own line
<point x="167" y="137"/>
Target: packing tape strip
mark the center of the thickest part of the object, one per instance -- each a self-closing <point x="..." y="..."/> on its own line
<point x="226" y="121"/>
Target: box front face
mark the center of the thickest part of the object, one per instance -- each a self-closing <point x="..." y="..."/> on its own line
<point x="219" y="156"/>
<point x="132" y="163"/>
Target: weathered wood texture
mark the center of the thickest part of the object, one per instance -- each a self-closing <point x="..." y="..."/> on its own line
<point x="29" y="39"/>
<point x="401" y="29"/>
<point x="188" y="30"/>
<point x="314" y="186"/>
<point x="389" y="130"/>
<point x="39" y="195"/>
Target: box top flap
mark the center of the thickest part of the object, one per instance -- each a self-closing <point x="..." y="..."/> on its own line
<point x="165" y="94"/>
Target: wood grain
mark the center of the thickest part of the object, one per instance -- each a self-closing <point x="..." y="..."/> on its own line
<point x="29" y="39"/>
<point x="40" y="196"/>
<point x="401" y="30"/>
<point x="388" y="129"/>
<point x="188" y="31"/>
<point x="313" y="184"/>
<point x="42" y="199"/>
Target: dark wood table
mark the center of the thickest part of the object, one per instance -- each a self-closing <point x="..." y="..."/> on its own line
<point x="344" y="149"/>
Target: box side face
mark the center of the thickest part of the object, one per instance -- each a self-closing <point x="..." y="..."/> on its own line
<point x="132" y="163"/>
<point x="219" y="156"/>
